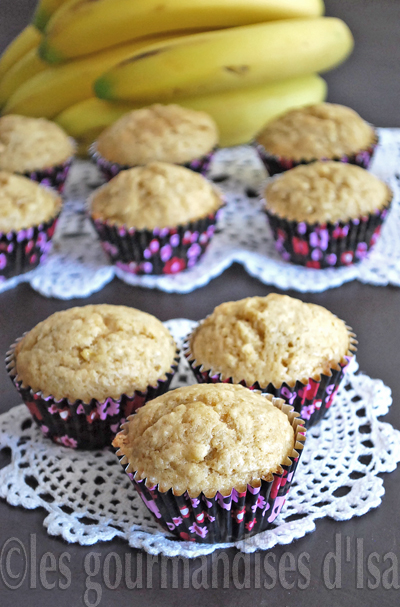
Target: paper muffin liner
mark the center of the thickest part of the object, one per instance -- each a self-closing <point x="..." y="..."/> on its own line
<point x="53" y="177"/>
<point x="311" y="400"/>
<point x="158" y="251"/>
<point x="23" y="250"/>
<point x="278" y="164"/>
<point x="224" y="518"/>
<point x="111" y="169"/>
<point x="80" y="425"/>
<point x="327" y="245"/>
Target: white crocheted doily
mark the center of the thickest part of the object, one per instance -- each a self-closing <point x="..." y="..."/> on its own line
<point x="83" y="492"/>
<point x="78" y="267"/>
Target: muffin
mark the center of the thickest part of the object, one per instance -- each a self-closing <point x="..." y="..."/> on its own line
<point x="159" y="133"/>
<point x="212" y="463"/>
<point x="36" y="148"/>
<point x="326" y="214"/>
<point x="155" y="219"/>
<point x="83" y="370"/>
<point x="325" y="131"/>
<point x="28" y="217"/>
<point x="276" y="344"/>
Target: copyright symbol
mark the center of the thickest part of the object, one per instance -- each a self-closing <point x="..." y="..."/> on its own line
<point x="13" y="563"/>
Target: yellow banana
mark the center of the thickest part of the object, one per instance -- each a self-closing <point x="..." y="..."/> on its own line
<point x="44" y="10"/>
<point x="58" y="87"/>
<point x="28" y="39"/>
<point x="81" y="27"/>
<point x="24" y="69"/>
<point x="228" y="59"/>
<point x="90" y="117"/>
<point x="239" y="114"/>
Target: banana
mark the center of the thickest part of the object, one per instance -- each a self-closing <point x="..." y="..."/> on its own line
<point x="81" y="27"/>
<point x="44" y="10"/>
<point x="58" y="87"/>
<point x="228" y="59"/>
<point x="90" y="117"/>
<point x="239" y="114"/>
<point x="28" y="39"/>
<point x="24" y="69"/>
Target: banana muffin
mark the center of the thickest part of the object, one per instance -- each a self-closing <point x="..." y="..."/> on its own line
<point x="211" y="445"/>
<point x="206" y="439"/>
<point x="165" y="133"/>
<point x="95" y="351"/>
<point x="97" y="362"/>
<point x="324" y="131"/>
<point x="155" y="219"/>
<point x="28" y="216"/>
<point x="325" y="192"/>
<point x="24" y="204"/>
<point x="326" y="213"/>
<point x="158" y="195"/>
<point x="276" y="343"/>
<point x="36" y="148"/>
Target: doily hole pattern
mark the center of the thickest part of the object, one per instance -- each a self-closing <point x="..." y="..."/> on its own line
<point x="78" y="267"/>
<point x="88" y="497"/>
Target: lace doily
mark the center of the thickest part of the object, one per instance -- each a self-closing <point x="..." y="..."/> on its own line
<point x="83" y="492"/>
<point x="78" y="267"/>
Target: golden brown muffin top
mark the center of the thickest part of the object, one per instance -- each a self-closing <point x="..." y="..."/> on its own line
<point x="206" y="438"/>
<point x="24" y="203"/>
<point x="30" y="144"/>
<point x="96" y="351"/>
<point x="271" y="339"/>
<point x="167" y="133"/>
<point x="324" y="192"/>
<point x="324" y="130"/>
<point x="158" y="195"/>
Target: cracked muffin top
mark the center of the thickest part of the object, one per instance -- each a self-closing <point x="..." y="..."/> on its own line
<point x="24" y="203"/>
<point x="324" y="192"/>
<point x="95" y="351"/>
<point x="271" y="339"/>
<point x="166" y="133"/>
<point x="30" y="144"/>
<point x="159" y="195"/>
<point x="324" y="130"/>
<point x="206" y="438"/>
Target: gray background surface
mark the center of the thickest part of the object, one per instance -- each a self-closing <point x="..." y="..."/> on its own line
<point x="370" y="83"/>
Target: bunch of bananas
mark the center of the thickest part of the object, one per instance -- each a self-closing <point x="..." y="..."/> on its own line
<point x="84" y="63"/>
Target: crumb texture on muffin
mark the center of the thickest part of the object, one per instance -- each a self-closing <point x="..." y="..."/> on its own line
<point x="324" y="130"/>
<point x="324" y="192"/>
<point x="158" y="195"/>
<point x="30" y="144"/>
<point x="271" y="339"/>
<point x="167" y="133"/>
<point x="95" y="351"/>
<point x="24" y="203"/>
<point x="207" y="438"/>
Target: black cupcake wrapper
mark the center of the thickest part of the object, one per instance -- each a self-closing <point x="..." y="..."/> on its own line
<point x="327" y="245"/>
<point x="24" y="250"/>
<point x="158" y="251"/>
<point x="230" y="518"/>
<point x="311" y="401"/>
<point x="80" y="425"/>
<point x="53" y="177"/>
<point x="278" y="164"/>
<point x="111" y="169"/>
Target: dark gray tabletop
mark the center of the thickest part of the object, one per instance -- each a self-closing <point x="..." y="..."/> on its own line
<point x="370" y="83"/>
